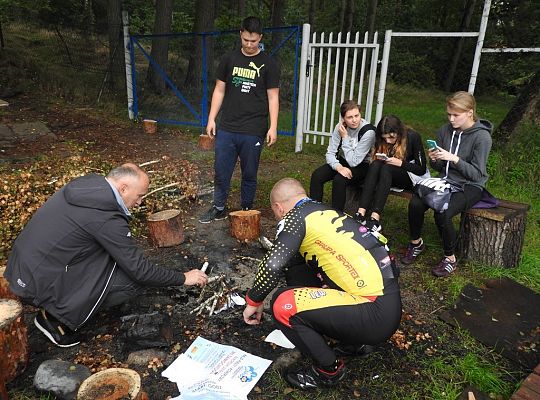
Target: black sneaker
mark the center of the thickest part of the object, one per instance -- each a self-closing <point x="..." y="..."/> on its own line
<point x="374" y="225"/>
<point x="350" y="350"/>
<point x="55" y="331"/>
<point x="213" y="215"/>
<point x="314" y="377"/>
<point x="360" y="218"/>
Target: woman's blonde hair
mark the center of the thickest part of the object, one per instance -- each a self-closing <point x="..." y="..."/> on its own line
<point x="462" y="101"/>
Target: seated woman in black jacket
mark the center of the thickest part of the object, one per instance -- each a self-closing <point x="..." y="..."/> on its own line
<point x="398" y="161"/>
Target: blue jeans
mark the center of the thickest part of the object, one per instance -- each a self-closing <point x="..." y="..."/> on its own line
<point x="229" y="146"/>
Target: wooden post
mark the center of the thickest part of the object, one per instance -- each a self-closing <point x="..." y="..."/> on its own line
<point x="165" y="228"/>
<point x="112" y="384"/>
<point x="5" y="292"/>
<point x="245" y="225"/>
<point x="150" y="126"/>
<point x="13" y="343"/>
<point x="205" y="142"/>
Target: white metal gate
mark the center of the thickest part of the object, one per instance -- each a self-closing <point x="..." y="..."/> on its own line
<point x="330" y="73"/>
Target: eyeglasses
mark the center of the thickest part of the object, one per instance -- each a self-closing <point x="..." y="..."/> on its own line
<point x="389" y="134"/>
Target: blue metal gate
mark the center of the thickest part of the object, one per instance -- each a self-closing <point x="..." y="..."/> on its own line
<point x="178" y="104"/>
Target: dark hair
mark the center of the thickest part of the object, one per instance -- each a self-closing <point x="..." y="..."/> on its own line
<point x="391" y="124"/>
<point x="252" y="25"/>
<point x="348" y="106"/>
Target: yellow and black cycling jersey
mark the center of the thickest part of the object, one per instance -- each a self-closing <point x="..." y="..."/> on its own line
<point x="344" y="254"/>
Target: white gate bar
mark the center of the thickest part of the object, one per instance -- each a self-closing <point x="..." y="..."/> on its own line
<point x="372" y="77"/>
<point x="479" y="45"/>
<point x="353" y="72"/>
<point x="383" y="73"/>
<point x="436" y="34"/>
<point x="319" y="76"/>
<point x="300" y="112"/>
<point x="345" y="67"/>
<point x="334" y="91"/>
<point x="513" y="50"/>
<point x="362" y="70"/>
<point x="311" y="73"/>
<point x="327" y="84"/>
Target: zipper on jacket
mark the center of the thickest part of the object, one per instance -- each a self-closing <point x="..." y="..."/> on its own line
<point x="99" y="298"/>
<point x="67" y="265"/>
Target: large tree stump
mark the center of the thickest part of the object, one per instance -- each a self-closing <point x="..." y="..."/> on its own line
<point x="112" y="384"/>
<point x="206" y="142"/>
<point x="245" y="225"/>
<point x="5" y="292"/>
<point x="13" y="342"/>
<point x="494" y="236"/>
<point x="165" y="228"/>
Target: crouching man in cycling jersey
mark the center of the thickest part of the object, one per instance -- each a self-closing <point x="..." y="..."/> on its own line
<point x="341" y="284"/>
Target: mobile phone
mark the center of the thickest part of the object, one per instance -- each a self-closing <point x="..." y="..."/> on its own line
<point x="432" y="144"/>
<point x="381" y="156"/>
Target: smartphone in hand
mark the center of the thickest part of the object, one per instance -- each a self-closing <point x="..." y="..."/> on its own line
<point x="432" y="144"/>
<point x="381" y="156"/>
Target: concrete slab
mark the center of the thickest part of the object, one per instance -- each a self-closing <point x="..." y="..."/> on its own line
<point x="31" y="130"/>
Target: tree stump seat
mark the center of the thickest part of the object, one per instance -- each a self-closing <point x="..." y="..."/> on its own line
<point x="490" y="236"/>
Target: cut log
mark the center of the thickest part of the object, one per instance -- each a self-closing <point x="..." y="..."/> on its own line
<point x="150" y="126"/>
<point x="245" y="225"/>
<point x="112" y="384"/>
<point x="165" y="228"/>
<point x="5" y="292"/>
<point x="13" y="342"/>
<point x="206" y="143"/>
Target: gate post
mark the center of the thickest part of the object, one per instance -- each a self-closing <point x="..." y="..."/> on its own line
<point x="301" y="112"/>
<point x="127" y="58"/>
<point x="383" y="75"/>
<point x="479" y="45"/>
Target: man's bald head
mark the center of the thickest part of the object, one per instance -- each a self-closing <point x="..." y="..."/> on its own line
<point x="284" y="195"/>
<point x="131" y="182"/>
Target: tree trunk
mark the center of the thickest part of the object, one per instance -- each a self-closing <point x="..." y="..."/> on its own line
<point x="311" y="14"/>
<point x="204" y="22"/>
<point x="245" y="225"/>
<point x="160" y="45"/>
<point x="165" y="228"/>
<point x="2" y="44"/>
<point x="458" y="46"/>
<point x="527" y="106"/>
<point x="342" y="17"/>
<point x="13" y="342"/>
<point x="116" y="43"/>
<point x="278" y="10"/>
<point x="5" y="292"/>
<point x="371" y="15"/>
<point x="241" y="8"/>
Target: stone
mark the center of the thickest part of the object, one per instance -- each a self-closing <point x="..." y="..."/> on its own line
<point x="143" y="357"/>
<point x="61" y="378"/>
<point x="31" y="130"/>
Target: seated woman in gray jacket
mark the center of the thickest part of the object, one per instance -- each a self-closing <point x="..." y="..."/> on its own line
<point x="399" y="161"/>
<point x="347" y="156"/>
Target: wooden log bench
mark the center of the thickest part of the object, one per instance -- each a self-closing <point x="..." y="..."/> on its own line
<point x="490" y="236"/>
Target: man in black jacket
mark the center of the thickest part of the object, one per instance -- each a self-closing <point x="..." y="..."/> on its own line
<point x="76" y="254"/>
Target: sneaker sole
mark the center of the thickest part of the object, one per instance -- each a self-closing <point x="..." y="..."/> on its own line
<point x="49" y="336"/>
<point x="215" y="219"/>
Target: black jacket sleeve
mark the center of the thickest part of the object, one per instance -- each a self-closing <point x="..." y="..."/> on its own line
<point x="415" y="151"/>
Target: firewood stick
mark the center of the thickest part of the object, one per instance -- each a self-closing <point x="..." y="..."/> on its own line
<point x="149" y="163"/>
<point x="248" y="258"/>
<point x="160" y="188"/>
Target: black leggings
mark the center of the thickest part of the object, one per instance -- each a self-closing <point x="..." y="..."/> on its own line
<point x="325" y="173"/>
<point x="459" y="202"/>
<point x="351" y="324"/>
<point x="380" y="178"/>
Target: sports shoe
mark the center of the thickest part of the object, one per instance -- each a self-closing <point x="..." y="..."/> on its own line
<point x="351" y="350"/>
<point x="55" y="331"/>
<point x="444" y="268"/>
<point x="413" y="251"/>
<point x="315" y="377"/>
<point x="360" y="218"/>
<point x="374" y="225"/>
<point x="213" y="215"/>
